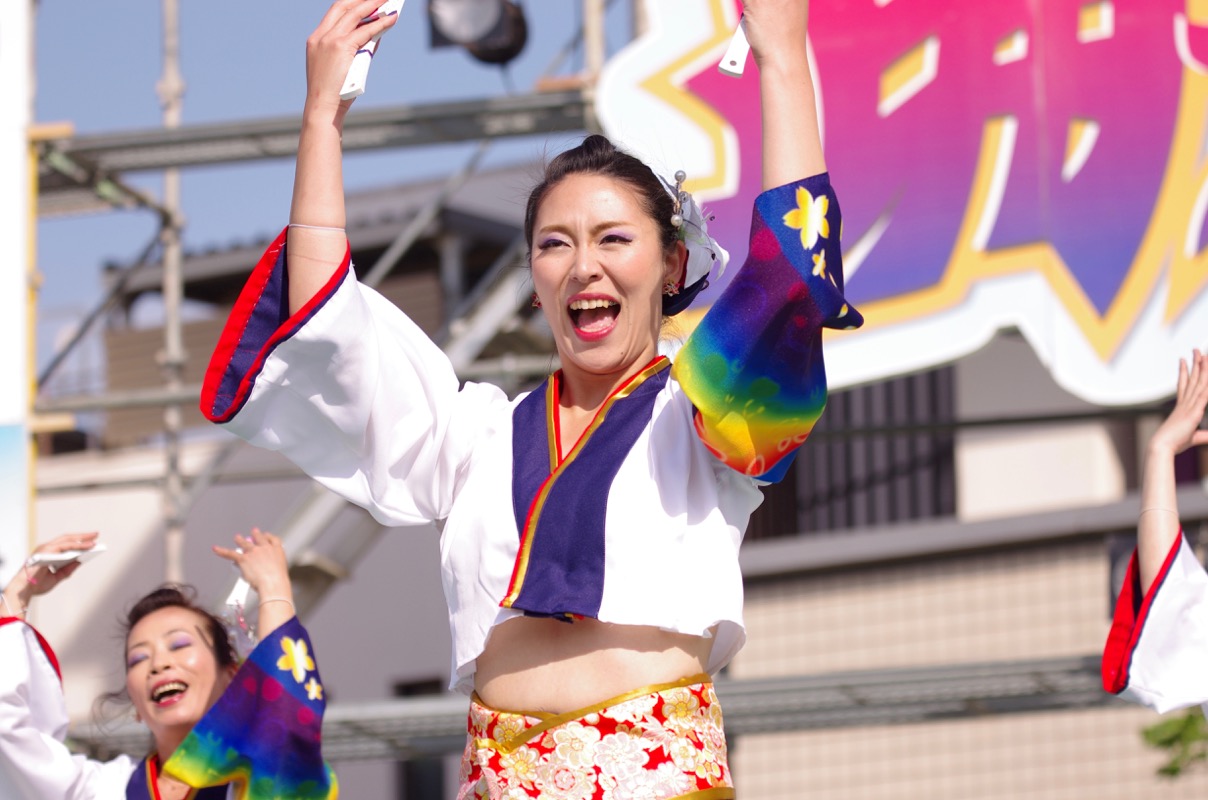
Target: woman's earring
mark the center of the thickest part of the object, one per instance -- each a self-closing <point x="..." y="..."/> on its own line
<point x="671" y="288"/>
<point x="536" y="301"/>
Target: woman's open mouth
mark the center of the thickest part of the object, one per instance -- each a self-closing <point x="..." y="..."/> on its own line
<point x="169" y="693"/>
<point x="593" y="318"/>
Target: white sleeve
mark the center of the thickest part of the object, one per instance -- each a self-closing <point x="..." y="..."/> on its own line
<point x="34" y="762"/>
<point x="1157" y="652"/>
<point x="349" y="389"/>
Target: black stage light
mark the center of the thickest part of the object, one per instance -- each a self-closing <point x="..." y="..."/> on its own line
<point x="492" y="31"/>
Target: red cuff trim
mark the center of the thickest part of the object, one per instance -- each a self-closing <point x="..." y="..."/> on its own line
<point x="46" y="648"/>
<point x="1129" y="621"/>
<point x="259" y="322"/>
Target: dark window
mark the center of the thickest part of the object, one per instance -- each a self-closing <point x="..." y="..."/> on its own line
<point x="1189" y="466"/>
<point x="421" y="778"/>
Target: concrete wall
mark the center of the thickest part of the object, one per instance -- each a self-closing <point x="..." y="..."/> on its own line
<point x="1027" y="469"/>
<point x="1093" y="754"/>
<point x="1031" y="603"/>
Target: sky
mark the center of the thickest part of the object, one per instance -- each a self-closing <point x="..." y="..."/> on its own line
<point x="97" y="66"/>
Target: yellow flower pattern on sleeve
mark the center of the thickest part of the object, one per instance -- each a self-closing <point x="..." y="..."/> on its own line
<point x="820" y="264"/>
<point x="296" y="659"/>
<point x="314" y="690"/>
<point x="809" y="217"/>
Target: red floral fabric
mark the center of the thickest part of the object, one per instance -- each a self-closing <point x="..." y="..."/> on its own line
<point x="657" y="743"/>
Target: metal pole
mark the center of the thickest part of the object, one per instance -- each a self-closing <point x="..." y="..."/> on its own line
<point x="171" y="94"/>
<point x="452" y="271"/>
<point x="593" y="56"/>
<point x="593" y="38"/>
<point x="20" y="282"/>
<point x="641" y="22"/>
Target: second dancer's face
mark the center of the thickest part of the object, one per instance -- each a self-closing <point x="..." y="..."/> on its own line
<point x="172" y="672"/>
<point x="598" y="268"/>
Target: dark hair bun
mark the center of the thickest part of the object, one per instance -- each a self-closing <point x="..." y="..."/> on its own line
<point x="597" y="155"/>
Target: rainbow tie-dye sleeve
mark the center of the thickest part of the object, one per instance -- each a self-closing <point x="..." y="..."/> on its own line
<point x="753" y="367"/>
<point x="264" y="733"/>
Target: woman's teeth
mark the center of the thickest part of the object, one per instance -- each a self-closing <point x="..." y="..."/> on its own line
<point x="583" y="305"/>
<point x="167" y="690"/>
<point x="595" y="315"/>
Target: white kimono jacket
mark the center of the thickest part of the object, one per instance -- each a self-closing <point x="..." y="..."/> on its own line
<point x="1157" y="651"/>
<point x="34" y="762"/>
<point x="639" y="524"/>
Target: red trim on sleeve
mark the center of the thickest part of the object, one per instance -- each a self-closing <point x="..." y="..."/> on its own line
<point x="236" y="324"/>
<point x="46" y="648"/>
<point x="1129" y="621"/>
<point x="235" y="331"/>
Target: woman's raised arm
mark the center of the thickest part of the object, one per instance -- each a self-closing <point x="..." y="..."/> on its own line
<point x="1158" y="524"/>
<point x="792" y="142"/>
<point x="317" y="243"/>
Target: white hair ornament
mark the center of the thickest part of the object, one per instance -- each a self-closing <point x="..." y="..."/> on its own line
<point x="704" y="253"/>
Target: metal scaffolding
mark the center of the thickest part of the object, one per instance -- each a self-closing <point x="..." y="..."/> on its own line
<point x="82" y="174"/>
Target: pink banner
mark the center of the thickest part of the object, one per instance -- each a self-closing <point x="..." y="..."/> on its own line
<point x="1019" y="164"/>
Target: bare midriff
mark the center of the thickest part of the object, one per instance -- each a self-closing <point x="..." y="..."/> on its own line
<point x="548" y="666"/>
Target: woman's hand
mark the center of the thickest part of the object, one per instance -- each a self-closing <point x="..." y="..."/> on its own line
<point x="33" y="580"/>
<point x="776" y="30"/>
<point x="330" y="49"/>
<point x="792" y="141"/>
<point x="262" y="563"/>
<point x="1181" y="430"/>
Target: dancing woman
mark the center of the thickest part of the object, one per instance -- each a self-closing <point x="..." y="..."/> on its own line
<point x="1157" y="651"/>
<point x="247" y="731"/>
<point x="589" y="547"/>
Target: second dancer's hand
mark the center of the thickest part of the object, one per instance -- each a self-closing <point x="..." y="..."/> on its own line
<point x="262" y="562"/>
<point x="32" y="580"/>
<point x="1181" y="430"/>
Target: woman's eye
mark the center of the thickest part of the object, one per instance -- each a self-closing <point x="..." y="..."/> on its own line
<point x="616" y="238"/>
<point x="180" y="644"/>
<point x="134" y="660"/>
<point x="550" y="243"/>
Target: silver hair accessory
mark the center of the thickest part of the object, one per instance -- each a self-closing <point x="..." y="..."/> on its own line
<point x="704" y="253"/>
<point x="677" y="196"/>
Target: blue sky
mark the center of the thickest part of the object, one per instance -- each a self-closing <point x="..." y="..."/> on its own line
<point x="97" y="65"/>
